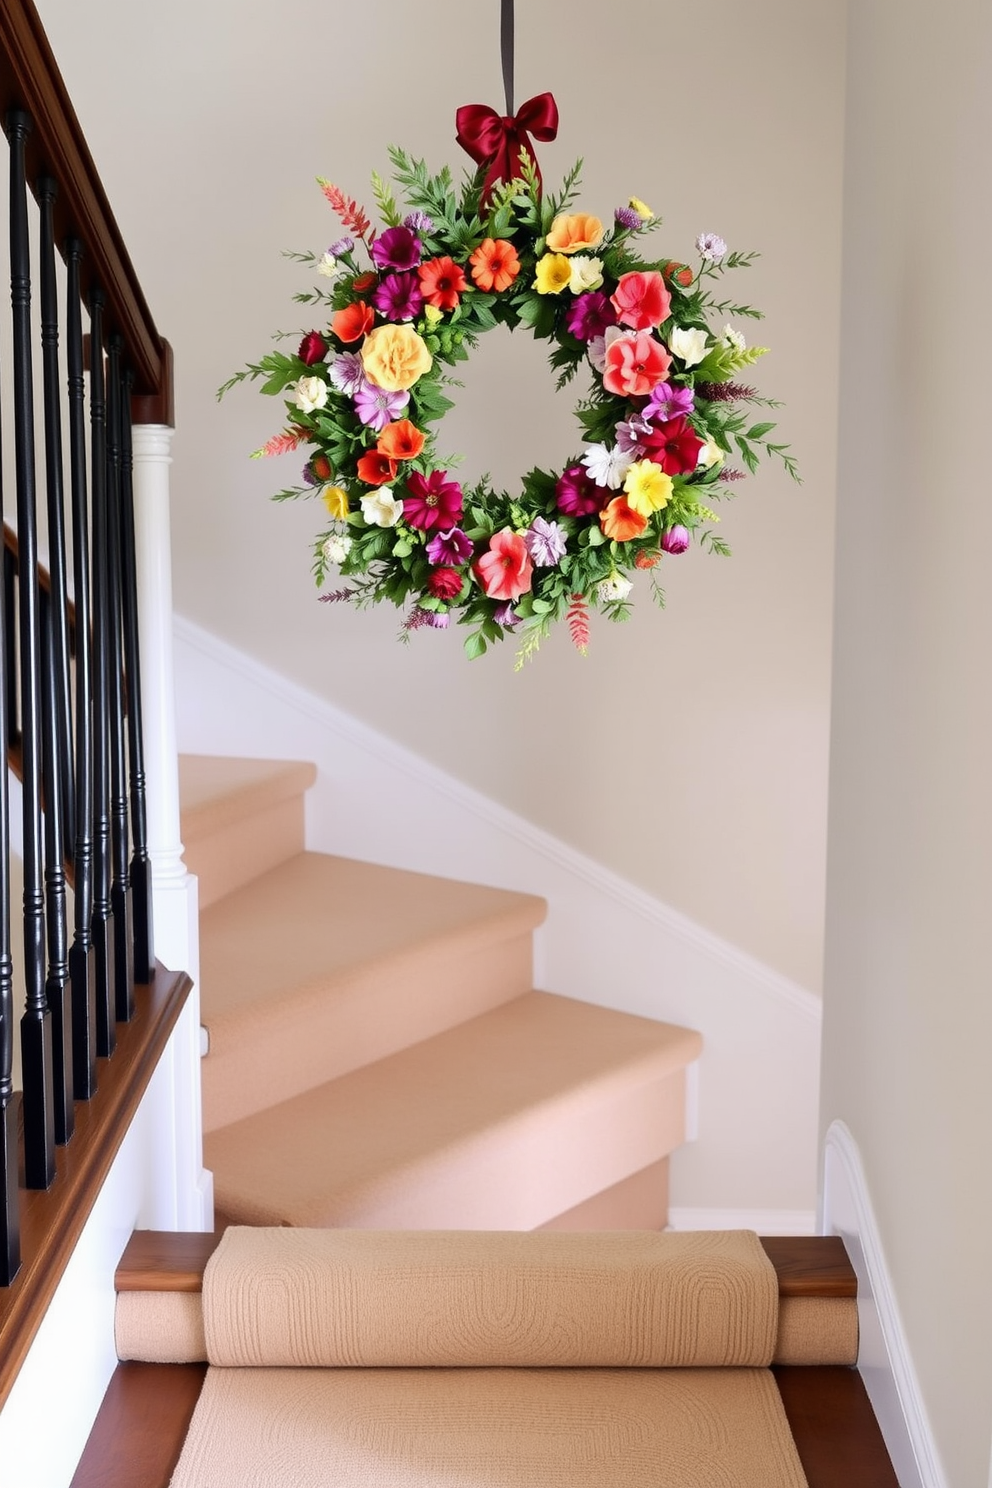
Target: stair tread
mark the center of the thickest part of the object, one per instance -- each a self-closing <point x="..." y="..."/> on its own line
<point x="364" y="1137"/>
<point x="215" y="790"/>
<point x="339" y="916"/>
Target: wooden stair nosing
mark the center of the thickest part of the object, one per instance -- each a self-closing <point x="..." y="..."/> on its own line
<point x="167" y="1261"/>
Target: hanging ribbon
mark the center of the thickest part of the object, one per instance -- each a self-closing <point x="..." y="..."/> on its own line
<point x="494" y="141"/>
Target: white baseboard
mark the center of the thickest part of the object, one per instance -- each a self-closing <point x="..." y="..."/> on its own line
<point x="884" y="1360"/>
<point x="764" y="1221"/>
<point x="606" y="941"/>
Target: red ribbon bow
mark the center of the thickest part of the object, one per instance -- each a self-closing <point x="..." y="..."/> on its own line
<point x="495" y="141"/>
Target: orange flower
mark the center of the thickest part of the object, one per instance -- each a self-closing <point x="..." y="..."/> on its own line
<point x="400" y="440"/>
<point x="376" y="469"/>
<point x="646" y="559"/>
<point x="364" y="282"/>
<point x="574" y="232"/>
<point x="495" y="264"/>
<point x="353" y="322"/>
<point x="620" y="521"/>
<point x="441" y="282"/>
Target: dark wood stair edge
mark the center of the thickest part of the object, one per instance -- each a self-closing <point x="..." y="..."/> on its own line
<point x="52" y="1221"/>
<point x="142" y="1424"/>
<point x="160" y="1261"/>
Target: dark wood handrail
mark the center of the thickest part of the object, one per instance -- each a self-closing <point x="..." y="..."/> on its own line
<point x="30" y="80"/>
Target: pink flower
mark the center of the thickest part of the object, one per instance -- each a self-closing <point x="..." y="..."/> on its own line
<point x="432" y="501"/>
<point x="634" y="365"/>
<point x="641" y="300"/>
<point x="505" y="571"/>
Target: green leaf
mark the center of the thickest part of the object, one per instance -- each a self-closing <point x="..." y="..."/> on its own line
<point x="475" y="645"/>
<point x="758" y="431"/>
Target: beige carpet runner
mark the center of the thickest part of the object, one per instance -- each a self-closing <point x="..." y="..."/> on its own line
<point x="464" y="1359"/>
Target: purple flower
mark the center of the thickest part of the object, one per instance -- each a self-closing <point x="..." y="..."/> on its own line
<point x="376" y="407"/>
<point x="711" y="247"/>
<point x="675" y="539"/>
<point x="668" y="402"/>
<point x="577" y="494"/>
<point x="396" y="248"/>
<point x="342" y="246"/>
<point x="419" y="222"/>
<point x="506" y="616"/>
<point x="629" y="435"/>
<point x="347" y="373"/>
<point x="627" y="218"/>
<point x="451" y="547"/>
<point x="309" y="478"/>
<point x="398" y="297"/>
<point x="545" y="541"/>
<point x="590" y="315"/>
<point x="438" y="619"/>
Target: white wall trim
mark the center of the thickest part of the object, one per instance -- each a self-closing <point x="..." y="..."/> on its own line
<point x="883" y="1357"/>
<point x="372" y="743"/>
<point x="764" y="1221"/>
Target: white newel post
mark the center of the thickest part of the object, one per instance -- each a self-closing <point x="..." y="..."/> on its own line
<point x="184" y="1197"/>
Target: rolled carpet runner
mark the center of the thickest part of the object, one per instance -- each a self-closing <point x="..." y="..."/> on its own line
<point x="474" y="1299"/>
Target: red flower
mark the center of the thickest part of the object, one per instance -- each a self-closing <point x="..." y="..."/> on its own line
<point x="321" y="467"/>
<point x="313" y="348"/>
<point x="674" y="446"/>
<point x="445" y="583"/>
<point x="680" y="273"/>
<point x="432" y="500"/>
<point x="364" y="282"/>
<point x="641" y="300"/>
<point x="441" y="282"/>
<point x="505" y="571"/>
<point x="353" y="322"/>
<point x="376" y="469"/>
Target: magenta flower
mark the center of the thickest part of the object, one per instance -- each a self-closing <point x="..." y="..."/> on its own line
<point x="577" y="494"/>
<point x="668" y="402"/>
<point x="396" y="248"/>
<point x="546" y="542"/>
<point x="450" y="548"/>
<point x="377" y="407"/>
<point x="589" y="316"/>
<point x="398" y="297"/>
<point x="675" y="539"/>
<point x="432" y="501"/>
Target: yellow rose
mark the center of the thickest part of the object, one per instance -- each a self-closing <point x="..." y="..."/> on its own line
<point x="554" y="273"/>
<point x="573" y="232"/>
<point x="336" y="501"/>
<point x="647" y="486"/>
<point x="394" y="356"/>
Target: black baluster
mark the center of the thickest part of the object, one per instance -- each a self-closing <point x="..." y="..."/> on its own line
<point x="55" y="671"/>
<point x="36" y="1024"/>
<point x="120" y="893"/>
<point x="82" y="954"/>
<point x="103" y="936"/>
<point x="10" y="1231"/>
<point x="13" y="729"/>
<point x="141" y="873"/>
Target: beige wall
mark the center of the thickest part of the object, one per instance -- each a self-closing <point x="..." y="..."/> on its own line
<point x="908" y="1012"/>
<point x="688" y="752"/>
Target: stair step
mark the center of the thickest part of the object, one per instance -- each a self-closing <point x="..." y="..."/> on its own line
<point x="324" y="964"/>
<point x="239" y="818"/>
<point x="503" y="1122"/>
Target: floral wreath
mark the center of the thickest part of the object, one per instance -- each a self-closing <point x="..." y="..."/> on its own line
<point x="404" y="305"/>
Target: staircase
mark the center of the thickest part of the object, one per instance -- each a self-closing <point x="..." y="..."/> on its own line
<point x="378" y="1057"/>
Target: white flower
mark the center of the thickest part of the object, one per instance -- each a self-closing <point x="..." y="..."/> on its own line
<point x="733" y="338"/>
<point x="587" y="273"/>
<point x="381" y="509"/>
<point x="599" y="345"/>
<point x="606" y="466"/>
<point x="711" y="247"/>
<point x="615" y="587"/>
<point x="688" y="346"/>
<point x="710" y="454"/>
<point x="329" y="266"/>
<point x="337" y="547"/>
<point x="310" y="393"/>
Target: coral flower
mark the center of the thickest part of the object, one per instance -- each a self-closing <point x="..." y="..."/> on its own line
<point x="400" y="440"/>
<point x="394" y="356"/>
<point x="495" y="264"/>
<point x="505" y="571"/>
<point x="432" y="501"/>
<point x="441" y="282"/>
<point x="674" y="446"/>
<point x="620" y="521"/>
<point x="641" y="300"/>
<point x="634" y="365"/>
<point x="553" y="273"/>
<point x="574" y="232"/>
<point x="353" y="322"/>
<point x="376" y="469"/>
